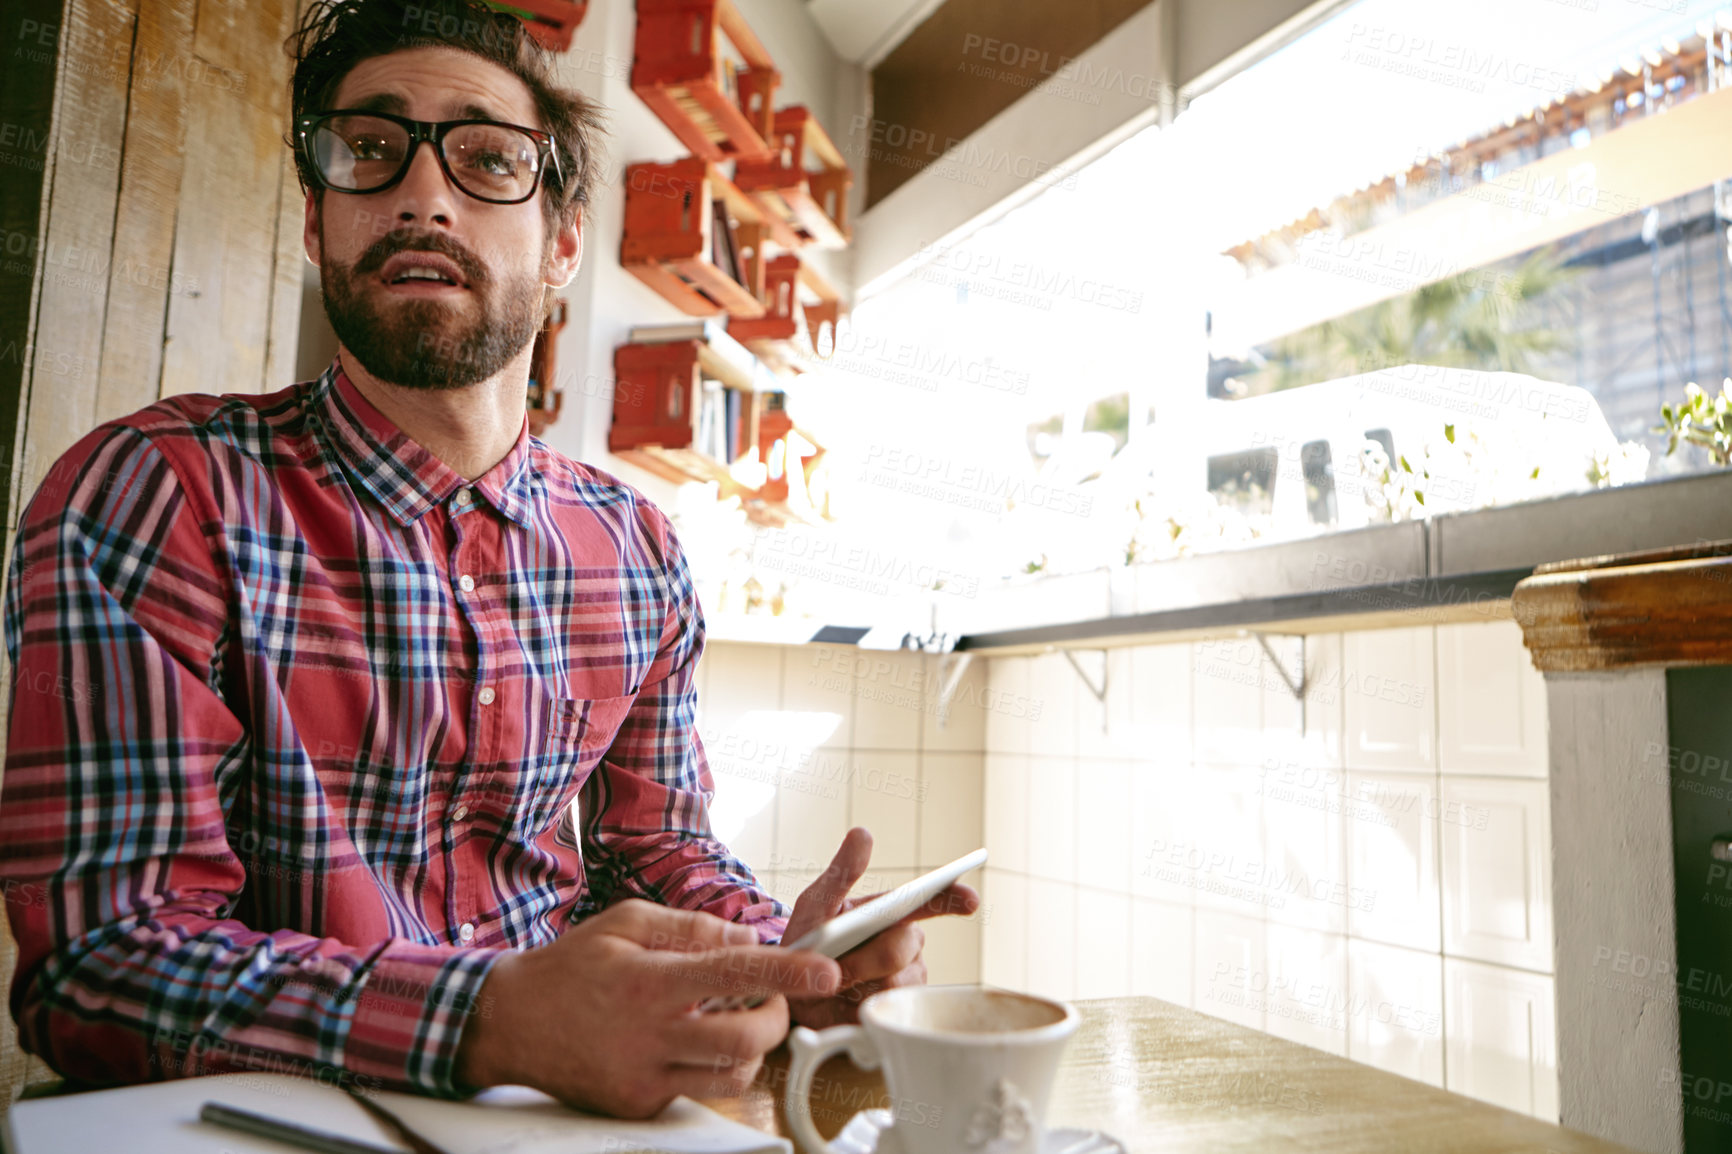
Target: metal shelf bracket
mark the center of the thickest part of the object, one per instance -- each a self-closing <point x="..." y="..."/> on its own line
<point x="1099" y="691"/>
<point x="1296" y="687"/>
<point x="951" y="667"/>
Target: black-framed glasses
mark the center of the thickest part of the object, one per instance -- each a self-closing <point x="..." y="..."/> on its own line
<point x="353" y="150"/>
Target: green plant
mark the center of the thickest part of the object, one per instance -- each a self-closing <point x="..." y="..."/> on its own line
<point x="1478" y="319"/>
<point x="1700" y="421"/>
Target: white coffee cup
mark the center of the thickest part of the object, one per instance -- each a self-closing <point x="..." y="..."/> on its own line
<point x="968" y="1068"/>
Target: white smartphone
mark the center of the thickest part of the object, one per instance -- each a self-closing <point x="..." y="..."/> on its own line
<point x="853" y="927"/>
<point x="866" y="921"/>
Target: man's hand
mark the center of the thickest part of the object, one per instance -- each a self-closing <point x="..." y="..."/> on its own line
<point x="889" y="960"/>
<point x="605" y="1018"/>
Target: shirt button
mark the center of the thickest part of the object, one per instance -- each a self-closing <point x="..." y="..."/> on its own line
<point x="466" y="932"/>
<point x="466" y="583"/>
<point x="464" y="496"/>
<point x="487" y="696"/>
<point x="461" y="812"/>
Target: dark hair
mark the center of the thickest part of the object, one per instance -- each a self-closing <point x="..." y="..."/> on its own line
<point x="335" y="35"/>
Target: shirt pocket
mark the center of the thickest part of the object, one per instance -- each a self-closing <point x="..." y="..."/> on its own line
<point x="579" y="732"/>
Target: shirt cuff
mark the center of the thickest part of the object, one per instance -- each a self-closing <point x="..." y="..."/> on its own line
<point x="411" y="1013"/>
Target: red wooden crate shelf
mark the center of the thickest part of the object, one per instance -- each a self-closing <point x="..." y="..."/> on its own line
<point x="671" y="238"/>
<point x="544" y="393"/>
<point x="802" y="184"/>
<point x="658" y="388"/>
<point x="776" y="425"/>
<point x="552" y="22"/>
<point x="798" y="303"/>
<point x="720" y="110"/>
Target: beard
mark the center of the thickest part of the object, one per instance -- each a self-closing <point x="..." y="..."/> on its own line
<point x="418" y="343"/>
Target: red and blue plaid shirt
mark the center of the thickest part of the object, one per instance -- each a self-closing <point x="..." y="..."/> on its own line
<point x="298" y="719"/>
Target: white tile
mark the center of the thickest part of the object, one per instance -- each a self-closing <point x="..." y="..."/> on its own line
<point x="880" y="879"/>
<point x="890" y="691"/>
<point x="743" y="815"/>
<point x="1004" y="930"/>
<point x="1304" y="814"/>
<point x="1227" y="701"/>
<point x="1284" y="712"/>
<point x="1395" y="1010"/>
<point x="1007" y="811"/>
<point x="1324" y="716"/>
<point x="1007" y="691"/>
<point x="818" y="684"/>
<point x="1392" y="867"/>
<point x="1230" y="972"/>
<point x="952" y="950"/>
<point x="787" y="885"/>
<point x="952" y="806"/>
<point x="1307" y="997"/>
<point x="745" y="741"/>
<point x="1160" y="708"/>
<point x="812" y="814"/>
<point x="745" y="690"/>
<point x="1163" y="833"/>
<point x="1502" y="1034"/>
<point x="1491" y="702"/>
<point x="884" y="789"/>
<point x="1106" y="730"/>
<point x="1052" y="818"/>
<point x="1103" y="944"/>
<point x="1389" y="699"/>
<point x="1162" y="951"/>
<point x="1052" y="938"/>
<point x="1053" y="688"/>
<point x="1225" y="827"/>
<point x="960" y="726"/>
<point x="1497" y="887"/>
<point x="1103" y="824"/>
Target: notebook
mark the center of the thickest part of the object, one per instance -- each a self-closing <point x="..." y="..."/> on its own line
<point x="162" y="1118"/>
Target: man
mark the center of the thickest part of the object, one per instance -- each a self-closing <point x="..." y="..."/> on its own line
<point x="340" y="659"/>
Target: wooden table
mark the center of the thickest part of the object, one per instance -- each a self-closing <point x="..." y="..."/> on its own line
<point x="1163" y="1078"/>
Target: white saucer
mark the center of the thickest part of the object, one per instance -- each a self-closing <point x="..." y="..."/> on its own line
<point x="865" y="1134"/>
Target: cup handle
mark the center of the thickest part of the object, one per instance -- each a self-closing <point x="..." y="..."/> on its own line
<point x="809" y="1049"/>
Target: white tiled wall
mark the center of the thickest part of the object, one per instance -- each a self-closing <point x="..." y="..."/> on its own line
<point x="1366" y="871"/>
<point x="806" y="741"/>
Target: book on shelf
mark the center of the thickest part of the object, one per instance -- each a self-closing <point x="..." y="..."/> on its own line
<point x="733" y="425"/>
<point x="724" y="248"/>
<point x="729" y="64"/>
<point x="713" y="332"/>
<point x="712" y="421"/>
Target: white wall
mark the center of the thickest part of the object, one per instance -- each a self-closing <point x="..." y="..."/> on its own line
<point x="1368" y="873"/>
<point x="605" y="301"/>
<point x="806" y="741"/>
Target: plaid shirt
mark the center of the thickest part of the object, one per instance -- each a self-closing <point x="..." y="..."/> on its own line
<point x="298" y="718"/>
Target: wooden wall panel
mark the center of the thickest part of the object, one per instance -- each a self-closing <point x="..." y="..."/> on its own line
<point x="284" y="336"/>
<point x="31" y="29"/>
<point x="225" y="250"/>
<point x="78" y="241"/>
<point x="142" y="277"/>
<point x="149" y="235"/>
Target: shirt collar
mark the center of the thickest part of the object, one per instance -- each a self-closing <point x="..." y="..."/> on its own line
<point x="397" y="470"/>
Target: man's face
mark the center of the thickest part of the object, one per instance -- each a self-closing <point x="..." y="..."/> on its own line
<point x="422" y="333"/>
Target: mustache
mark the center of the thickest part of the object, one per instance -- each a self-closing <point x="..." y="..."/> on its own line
<point x="391" y="244"/>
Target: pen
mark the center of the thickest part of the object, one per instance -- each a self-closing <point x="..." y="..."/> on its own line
<point x="267" y="1127"/>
